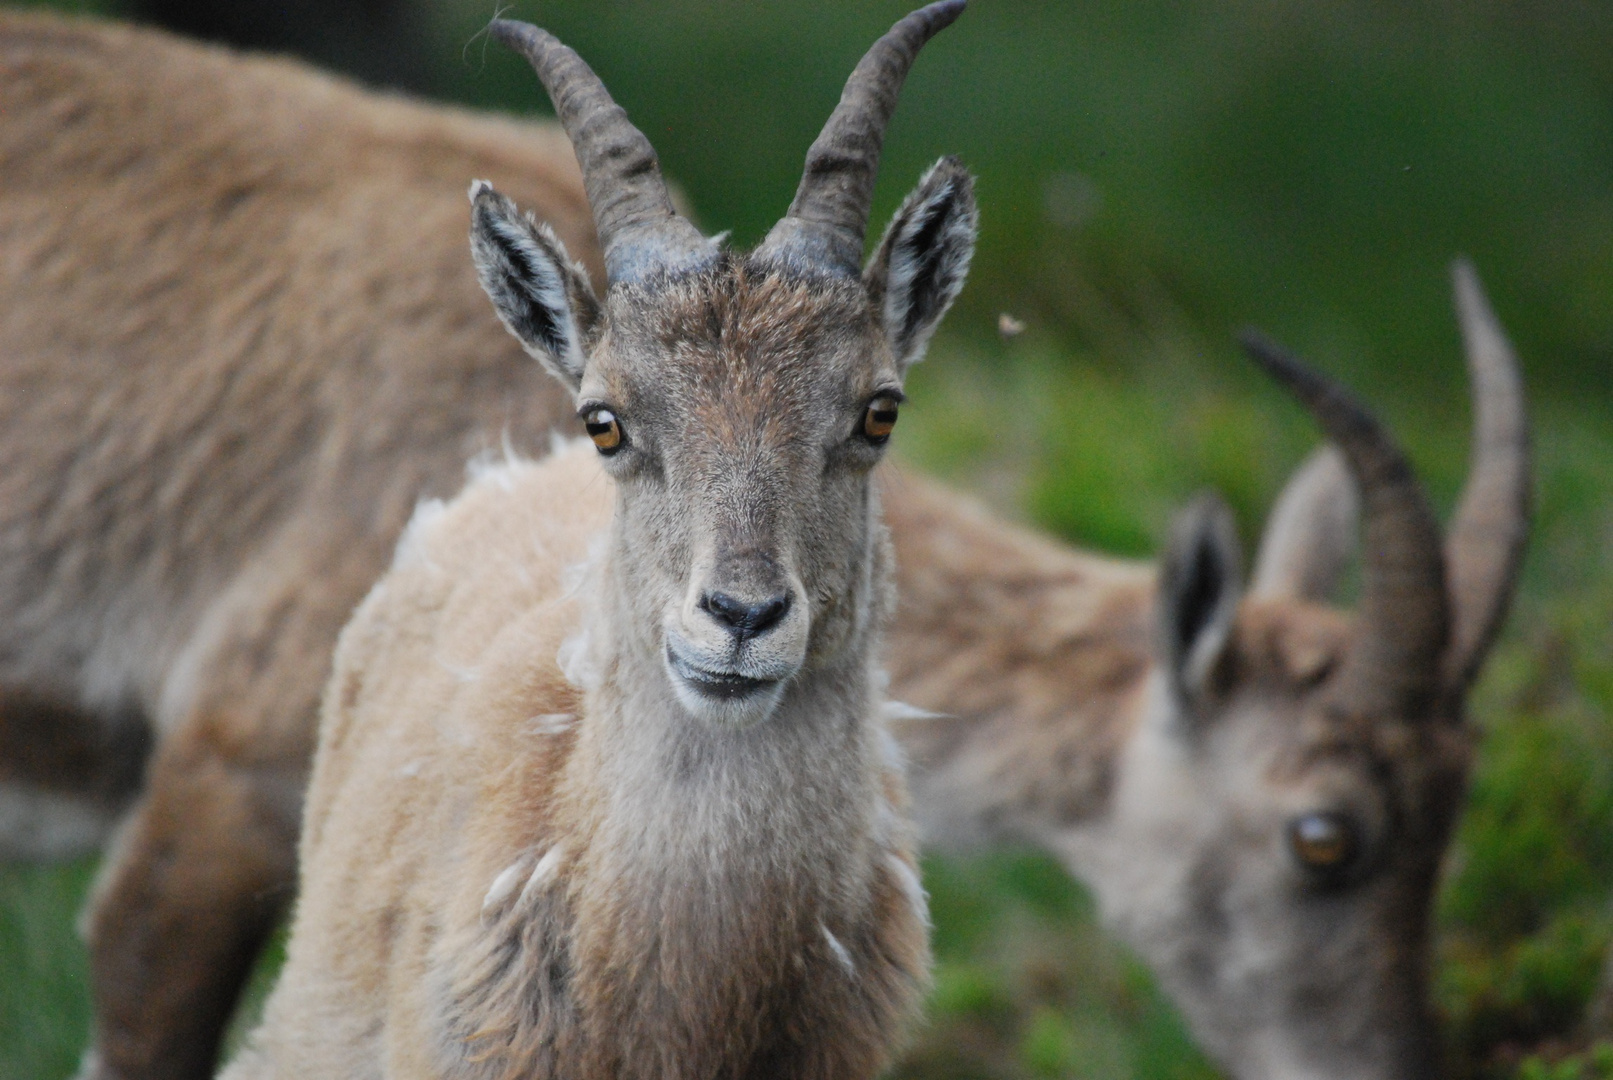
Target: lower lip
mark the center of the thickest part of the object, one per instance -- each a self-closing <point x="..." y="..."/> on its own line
<point x="721" y="687"/>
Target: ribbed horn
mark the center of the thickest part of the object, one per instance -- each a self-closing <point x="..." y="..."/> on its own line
<point x="638" y="227"/>
<point x="1487" y="535"/>
<point x="828" y="220"/>
<point x="1401" y="628"/>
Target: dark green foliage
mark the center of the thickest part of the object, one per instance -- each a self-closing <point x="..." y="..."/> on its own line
<point x="1594" y="1063"/>
<point x="1027" y="987"/>
<point x="1525" y="911"/>
<point x="44" y="997"/>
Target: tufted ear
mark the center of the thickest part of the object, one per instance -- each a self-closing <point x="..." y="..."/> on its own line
<point x="540" y="294"/>
<point x="923" y="259"/>
<point x="1200" y="584"/>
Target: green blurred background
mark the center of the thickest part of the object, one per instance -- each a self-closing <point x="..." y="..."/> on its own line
<point x="1152" y="176"/>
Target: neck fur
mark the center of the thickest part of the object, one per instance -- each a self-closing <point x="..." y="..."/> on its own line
<point x="714" y="858"/>
<point x="724" y="902"/>
<point x="686" y="814"/>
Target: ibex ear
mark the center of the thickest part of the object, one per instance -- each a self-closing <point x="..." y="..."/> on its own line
<point x="1311" y="533"/>
<point x="1200" y="585"/>
<point x="923" y="259"/>
<point x="539" y="293"/>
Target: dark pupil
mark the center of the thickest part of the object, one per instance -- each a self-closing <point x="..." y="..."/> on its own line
<point x="1321" y="840"/>
<point x="601" y="427"/>
<point x="881" y="418"/>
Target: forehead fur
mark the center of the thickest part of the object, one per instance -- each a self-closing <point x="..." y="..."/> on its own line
<point x="1287" y="644"/>
<point x="742" y="329"/>
<point x="1291" y="647"/>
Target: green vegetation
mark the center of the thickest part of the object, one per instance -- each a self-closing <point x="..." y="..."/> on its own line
<point x="1153" y="176"/>
<point x="44" y="977"/>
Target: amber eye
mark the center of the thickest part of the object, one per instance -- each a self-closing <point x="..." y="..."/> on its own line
<point x="880" y="418"/>
<point x="604" y="429"/>
<point x="1325" y="842"/>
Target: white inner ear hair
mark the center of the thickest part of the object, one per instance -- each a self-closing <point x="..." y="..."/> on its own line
<point x="911" y="318"/>
<point x="538" y="276"/>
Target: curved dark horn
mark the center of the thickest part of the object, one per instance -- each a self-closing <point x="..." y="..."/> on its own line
<point x="638" y="227"/>
<point x="827" y="221"/>
<point x="1393" y="664"/>
<point x="1487" y="535"/>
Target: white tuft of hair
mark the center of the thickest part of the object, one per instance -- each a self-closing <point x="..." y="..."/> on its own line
<point x="893" y="710"/>
<point x="839" y="950"/>
<point x="504" y="885"/>
<point x="576" y="661"/>
<point x="547" y="870"/>
<point x="910" y="885"/>
<point x="551" y="723"/>
<point x="411" y="549"/>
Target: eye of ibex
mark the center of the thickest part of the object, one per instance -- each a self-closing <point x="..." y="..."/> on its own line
<point x="604" y="429"/>
<point x="1324" y="842"/>
<point x="879" y="419"/>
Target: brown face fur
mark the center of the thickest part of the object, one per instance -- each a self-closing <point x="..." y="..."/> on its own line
<point x="740" y="394"/>
<point x="1289" y="960"/>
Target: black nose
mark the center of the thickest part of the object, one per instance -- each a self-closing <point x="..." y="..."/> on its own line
<point x="745" y="620"/>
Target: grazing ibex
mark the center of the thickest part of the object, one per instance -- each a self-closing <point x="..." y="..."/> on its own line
<point x="1258" y="788"/>
<point x="239" y="338"/>
<point x="653" y="828"/>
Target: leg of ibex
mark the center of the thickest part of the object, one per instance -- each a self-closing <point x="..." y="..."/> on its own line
<point x="197" y="880"/>
<point x="207" y="862"/>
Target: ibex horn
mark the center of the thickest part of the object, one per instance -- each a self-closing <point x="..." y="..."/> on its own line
<point x="827" y="221"/>
<point x="638" y="227"/>
<point x="1487" y="536"/>
<point x="1393" y="666"/>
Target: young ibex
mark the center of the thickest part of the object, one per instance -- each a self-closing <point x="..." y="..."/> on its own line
<point x="186" y="557"/>
<point x="652" y="828"/>
<point x="1258" y="789"/>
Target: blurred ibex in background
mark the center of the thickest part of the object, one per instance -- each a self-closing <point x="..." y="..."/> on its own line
<point x="240" y="337"/>
<point x="1258" y="788"/>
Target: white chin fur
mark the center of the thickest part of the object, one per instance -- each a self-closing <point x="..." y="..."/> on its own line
<point x="738" y="711"/>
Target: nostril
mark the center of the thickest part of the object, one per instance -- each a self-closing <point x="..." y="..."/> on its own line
<point x="745" y="620"/>
<point x="765" y="615"/>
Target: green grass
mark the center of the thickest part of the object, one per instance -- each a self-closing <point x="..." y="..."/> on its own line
<point x="1152" y="176"/>
<point x="44" y="995"/>
<point x="1027" y="987"/>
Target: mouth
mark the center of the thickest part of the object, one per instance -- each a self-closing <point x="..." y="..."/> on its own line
<point x="716" y="685"/>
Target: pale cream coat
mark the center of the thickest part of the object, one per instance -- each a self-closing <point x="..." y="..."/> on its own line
<point x="451" y="827"/>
